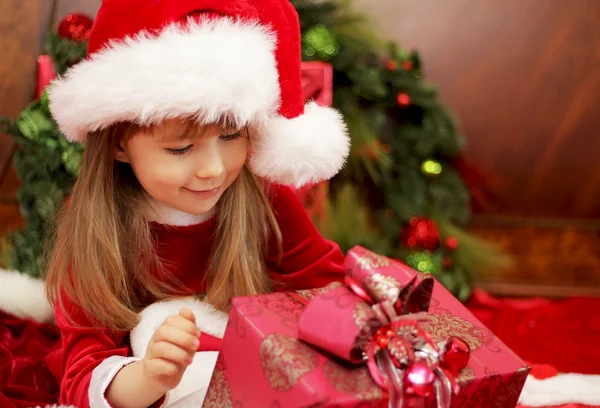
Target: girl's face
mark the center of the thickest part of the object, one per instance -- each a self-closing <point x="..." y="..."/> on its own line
<point x="188" y="172"/>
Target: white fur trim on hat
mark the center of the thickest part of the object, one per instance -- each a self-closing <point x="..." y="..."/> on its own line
<point x="200" y="70"/>
<point x="561" y="389"/>
<point x="306" y="149"/>
<point x="24" y="297"/>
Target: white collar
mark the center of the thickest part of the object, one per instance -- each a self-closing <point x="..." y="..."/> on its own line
<point x="163" y="214"/>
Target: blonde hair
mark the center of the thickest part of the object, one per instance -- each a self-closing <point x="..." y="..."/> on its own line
<point x="103" y="254"/>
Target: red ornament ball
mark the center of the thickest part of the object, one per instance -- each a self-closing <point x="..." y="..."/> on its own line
<point x="403" y="99"/>
<point x="76" y="27"/>
<point x="419" y="379"/>
<point x="421" y="232"/>
<point x="456" y="355"/>
<point x="407" y="65"/>
<point x="391" y="65"/>
<point x="451" y="243"/>
<point x="448" y="262"/>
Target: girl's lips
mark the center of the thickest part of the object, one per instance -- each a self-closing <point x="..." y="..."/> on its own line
<point x="205" y="193"/>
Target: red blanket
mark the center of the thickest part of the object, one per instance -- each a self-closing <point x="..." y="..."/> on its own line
<point x="25" y="379"/>
<point x="563" y="333"/>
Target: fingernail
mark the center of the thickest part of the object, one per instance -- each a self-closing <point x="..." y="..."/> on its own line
<point x="196" y="343"/>
<point x="190" y="360"/>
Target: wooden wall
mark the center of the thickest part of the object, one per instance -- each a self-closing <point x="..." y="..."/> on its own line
<point x="22" y="28"/>
<point x="523" y="76"/>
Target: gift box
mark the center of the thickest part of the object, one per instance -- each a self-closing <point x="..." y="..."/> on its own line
<point x="328" y="347"/>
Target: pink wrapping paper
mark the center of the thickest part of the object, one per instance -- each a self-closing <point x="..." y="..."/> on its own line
<point x="339" y="334"/>
<point x="263" y="363"/>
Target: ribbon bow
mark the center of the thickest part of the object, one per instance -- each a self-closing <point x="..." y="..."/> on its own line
<point x="378" y="318"/>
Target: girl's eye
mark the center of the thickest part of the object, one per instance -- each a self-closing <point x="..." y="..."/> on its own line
<point x="233" y="136"/>
<point x="179" y="151"/>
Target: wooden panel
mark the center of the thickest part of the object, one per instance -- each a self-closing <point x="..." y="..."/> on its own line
<point x="8" y="179"/>
<point x="22" y="30"/>
<point x="523" y="77"/>
<point x="10" y="220"/>
<point x="23" y="26"/>
<point x="553" y="257"/>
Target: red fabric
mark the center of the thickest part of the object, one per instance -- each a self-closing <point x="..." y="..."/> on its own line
<point x="25" y="380"/>
<point x="308" y="261"/>
<point x="558" y="332"/>
<point x="119" y="19"/>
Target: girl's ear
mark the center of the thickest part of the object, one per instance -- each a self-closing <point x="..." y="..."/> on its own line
<point x="120" y="153"/>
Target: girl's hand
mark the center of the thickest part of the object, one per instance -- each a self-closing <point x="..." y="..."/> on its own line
<point x="171" y="350"/>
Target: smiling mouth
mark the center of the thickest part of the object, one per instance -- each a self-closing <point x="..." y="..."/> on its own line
<point x="205" y="192"/>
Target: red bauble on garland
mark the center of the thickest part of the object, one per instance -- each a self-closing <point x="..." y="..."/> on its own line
<point x="407" y="65"/>
<point x="451" y="243"/>
<point x="403" y="99"/>
<point x="391" y="65"/>
<point x="76" y="27"/>
<point x="421" y="232"/>
<point x="448" y="262"/>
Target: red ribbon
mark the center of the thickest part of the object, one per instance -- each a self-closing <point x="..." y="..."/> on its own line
<point x="401" y="356"/>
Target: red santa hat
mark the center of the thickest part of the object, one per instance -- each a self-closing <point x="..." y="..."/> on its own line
<point x="205" y="59"/>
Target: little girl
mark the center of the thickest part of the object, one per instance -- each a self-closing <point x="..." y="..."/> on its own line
<point x="193" y="117"/>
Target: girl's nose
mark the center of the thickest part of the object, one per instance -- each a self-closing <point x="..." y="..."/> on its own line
<point x="210" y="164"/>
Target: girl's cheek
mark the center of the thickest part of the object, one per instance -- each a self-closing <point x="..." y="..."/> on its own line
<point x="168" y="174"/>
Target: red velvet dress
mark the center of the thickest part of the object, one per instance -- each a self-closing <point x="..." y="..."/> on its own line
<point x="308" y="261"/>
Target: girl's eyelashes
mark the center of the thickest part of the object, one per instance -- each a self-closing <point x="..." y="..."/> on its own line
<point x="232" y="136"/>
<point x="183" y="150"/>
<point x="177" y="152"/>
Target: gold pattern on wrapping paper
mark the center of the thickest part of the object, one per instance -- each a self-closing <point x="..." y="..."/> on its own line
<point x="357" y="382"/>
<point x="465" y="377"/>
<point x="285" y="359"/>
<point x="310" y="294"/>
<point x="218" y="394"/>
<point x="361" y="314"/>
<point x="443" y="325"/>
<point x="382" y="287"/>
<point x="371" y="260"/>
<point x="281" y="305"/>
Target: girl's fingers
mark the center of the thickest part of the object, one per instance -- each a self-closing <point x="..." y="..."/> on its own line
<point x="187" y="314"/>
<point x="182" y="323"/>
<point x="178" y="337"/>
<point x="170" y="352"/>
